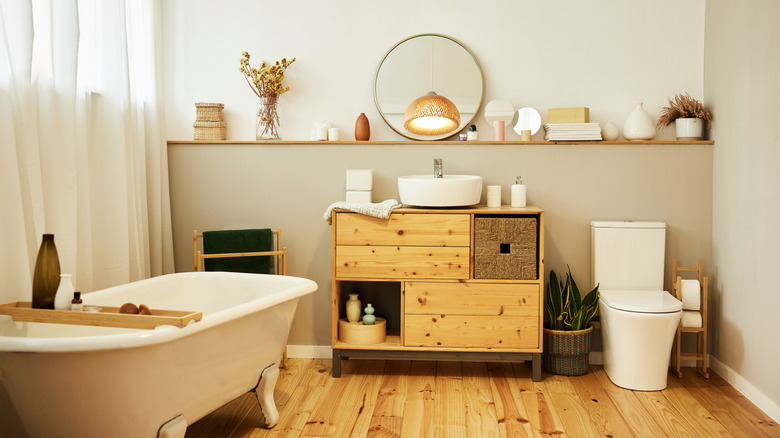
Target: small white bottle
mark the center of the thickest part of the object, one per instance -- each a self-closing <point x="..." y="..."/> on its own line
<point x="518" y="193"/>
<point x="64" y="292"/>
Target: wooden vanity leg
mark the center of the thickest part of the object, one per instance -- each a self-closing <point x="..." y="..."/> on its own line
<point x="336" y="363"/>
<point x="536" y="370"/>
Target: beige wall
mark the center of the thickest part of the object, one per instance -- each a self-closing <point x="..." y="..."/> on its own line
<point x="247" y="185"/>
<point x="742" y="86"/>
<point x="604" y="54"/>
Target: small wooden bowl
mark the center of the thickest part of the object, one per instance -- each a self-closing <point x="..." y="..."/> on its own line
<point x="359" y="333"/>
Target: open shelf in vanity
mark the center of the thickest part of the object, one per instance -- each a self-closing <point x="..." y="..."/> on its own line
<point x="438" y="304"/>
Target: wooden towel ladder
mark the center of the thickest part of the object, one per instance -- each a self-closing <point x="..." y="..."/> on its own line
<point x="280" y="253"/>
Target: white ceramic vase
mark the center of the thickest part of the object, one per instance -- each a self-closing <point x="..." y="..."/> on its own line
<point x="64" y="294"/>
<point x="609" y="132"/>
<point x="353" y="308"/>
<point x="639" y="125"/>
<point x="688" y="129"/>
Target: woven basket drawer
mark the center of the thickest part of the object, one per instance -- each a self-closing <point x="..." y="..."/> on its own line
<point x="506" y="248"/>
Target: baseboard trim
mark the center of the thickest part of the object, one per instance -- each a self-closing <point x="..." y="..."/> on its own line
<point x="769" y="406"/>
<point x="310" y="351"/>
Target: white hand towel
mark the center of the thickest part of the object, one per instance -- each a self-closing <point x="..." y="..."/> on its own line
<point x="381" y="210"/>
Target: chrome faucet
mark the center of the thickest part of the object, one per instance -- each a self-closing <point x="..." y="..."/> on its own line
<point x="437" y="172"/>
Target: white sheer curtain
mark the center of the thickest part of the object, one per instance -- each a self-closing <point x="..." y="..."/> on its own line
<point x="82" y="147"/>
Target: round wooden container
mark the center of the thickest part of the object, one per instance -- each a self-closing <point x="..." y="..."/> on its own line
<point x="358" y="333"/>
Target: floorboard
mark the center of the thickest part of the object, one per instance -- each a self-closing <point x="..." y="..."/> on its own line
<point x="377" y="398"/>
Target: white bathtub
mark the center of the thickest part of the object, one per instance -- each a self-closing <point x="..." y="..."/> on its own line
<point x="84" y="381"/>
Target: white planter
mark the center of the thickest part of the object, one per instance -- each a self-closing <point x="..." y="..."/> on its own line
<point x="688" y="129"/>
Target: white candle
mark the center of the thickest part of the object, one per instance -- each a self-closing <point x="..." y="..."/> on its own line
<point x="518" y="195"/>
<point x="333" y="134"/>
<point x="322" y="133"/>
<point x="494" y="196"/>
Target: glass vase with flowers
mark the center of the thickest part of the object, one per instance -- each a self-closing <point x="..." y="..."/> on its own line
<point x="267" y="82"/>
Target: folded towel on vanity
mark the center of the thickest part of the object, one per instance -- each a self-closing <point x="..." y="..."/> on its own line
<point x="232" y="241"/>
<point x="381" y="210"/>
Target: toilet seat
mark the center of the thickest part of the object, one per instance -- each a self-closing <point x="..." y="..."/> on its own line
<point x="641" y="301"/>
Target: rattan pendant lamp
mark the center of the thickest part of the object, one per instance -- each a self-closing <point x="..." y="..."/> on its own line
<point x="431" y="114"/>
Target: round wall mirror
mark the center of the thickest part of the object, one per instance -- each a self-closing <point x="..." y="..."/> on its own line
<point x="422" y="66"/>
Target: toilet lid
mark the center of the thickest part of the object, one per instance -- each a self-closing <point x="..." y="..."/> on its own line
<point x="643" y="301"/>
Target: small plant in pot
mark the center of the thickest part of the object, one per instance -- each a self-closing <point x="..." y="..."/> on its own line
<point x="687" y="114"/>
<point x="568" y="330"/>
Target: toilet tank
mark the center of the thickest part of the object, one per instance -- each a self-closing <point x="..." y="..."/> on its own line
<point x="628" y="255"/>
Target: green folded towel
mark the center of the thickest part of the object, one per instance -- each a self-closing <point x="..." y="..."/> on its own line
<point x="230" y="241"/>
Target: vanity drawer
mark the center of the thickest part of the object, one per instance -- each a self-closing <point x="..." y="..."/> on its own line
<point x="403" y="229"/>
<point x="513" y="332"/>
<point x="402" y="262"/>
<point x="467" y="298"/>
<point x="467" y="314"/>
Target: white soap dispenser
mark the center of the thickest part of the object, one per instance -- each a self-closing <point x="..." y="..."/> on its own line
<point x="518" y="193"/>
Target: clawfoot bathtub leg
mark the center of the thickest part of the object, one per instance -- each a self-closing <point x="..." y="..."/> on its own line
<point x="175" y="428"/>
<point x="265" y="395"/>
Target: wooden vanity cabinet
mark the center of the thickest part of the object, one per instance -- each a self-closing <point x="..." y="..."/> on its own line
<point x="444" y="311"/>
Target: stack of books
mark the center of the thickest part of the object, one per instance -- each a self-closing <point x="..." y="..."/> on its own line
<point x="572" y="131"/>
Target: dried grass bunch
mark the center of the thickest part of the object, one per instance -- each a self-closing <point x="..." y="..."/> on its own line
<point x="268" y="80"/>
<point x="681" y="107"/>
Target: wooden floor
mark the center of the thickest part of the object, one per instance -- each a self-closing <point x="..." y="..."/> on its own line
<point x="474" y="399"/>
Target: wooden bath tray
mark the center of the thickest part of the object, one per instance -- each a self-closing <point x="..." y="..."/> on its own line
<point x="22" y="311"/>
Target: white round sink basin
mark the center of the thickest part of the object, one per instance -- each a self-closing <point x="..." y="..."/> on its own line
<point x="447" y="191"/>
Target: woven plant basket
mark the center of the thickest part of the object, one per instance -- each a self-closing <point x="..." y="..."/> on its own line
<point x="566" y="352"/>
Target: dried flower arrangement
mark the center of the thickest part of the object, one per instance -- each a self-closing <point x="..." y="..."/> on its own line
<point x="267" y="82"/>
<point x="683" y="106"/>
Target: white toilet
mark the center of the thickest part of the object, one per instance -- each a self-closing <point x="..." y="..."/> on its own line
<point x="638" y="318"/>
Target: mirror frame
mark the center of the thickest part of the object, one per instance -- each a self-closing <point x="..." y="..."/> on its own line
<point x="430" y="137"/>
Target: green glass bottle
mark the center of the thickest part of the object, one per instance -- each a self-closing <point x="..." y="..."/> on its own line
<point x="46" y="277"/>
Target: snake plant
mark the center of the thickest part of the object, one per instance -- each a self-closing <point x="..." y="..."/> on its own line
<point x="566" y="309"/>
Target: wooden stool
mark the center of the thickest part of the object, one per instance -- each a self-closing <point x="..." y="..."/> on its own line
<point x="701" y="331"/>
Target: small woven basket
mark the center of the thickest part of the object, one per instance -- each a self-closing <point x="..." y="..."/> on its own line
<point x="210" y="130"/>
<point x="209" y="112"/>
<point x="505" y="248"/>
<point x="566" y="353"/>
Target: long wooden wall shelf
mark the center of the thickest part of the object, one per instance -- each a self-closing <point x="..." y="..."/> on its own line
<point x="448" y="142"/>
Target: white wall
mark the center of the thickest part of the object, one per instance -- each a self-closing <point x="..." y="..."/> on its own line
<point x="604" y="54"/>
<point x="742" y="87"/>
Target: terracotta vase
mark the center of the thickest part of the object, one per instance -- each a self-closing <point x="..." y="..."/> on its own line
<point x="362" y="129"/>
